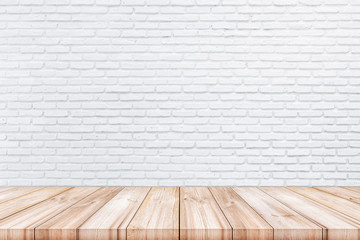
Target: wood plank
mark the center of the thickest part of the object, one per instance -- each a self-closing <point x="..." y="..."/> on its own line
<point x="339" y="226"/>
<point x="342" y="192"/>
<point x="251" y="227"/>
<point x="22" y="224"/>
<point x="15" y="192"/>
<point x="340" y="204"/>
<point x="110" y="221"/>
<point x="206" y="213"/>
<point x="18" y="204"/>
<point x="201" y="216"/>
<point x="287" y="223"/>
<point x="157" y="217"/>
<point x="2" y="189"/>
<point x="356" y="189"/>
<point x="65" y="225"/>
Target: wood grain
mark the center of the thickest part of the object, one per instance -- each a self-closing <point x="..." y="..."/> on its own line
<point x="356" y="189"/>
<point x="22" y="224"/>
<point x="201" y="216"/>
<point x="11" y="193"/>
<point x="2" y="189"/>
<point x="187" y="213"/>
<point x="340" y="204"/>
<point x="64" y="226"/>
<point x="337" y="225"/>
<point x="157" y="217"/>
<point x="342" y="192"/>
<point x="251" y="227"/>
<point x="20" y="203"/>
<point x="110" y="221"/>
<point x="287" y="223"/>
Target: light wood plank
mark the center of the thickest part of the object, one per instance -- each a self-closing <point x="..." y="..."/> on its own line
<point x="110" y="221"/>
<point x="20" y="203"/>
<point x="339" y="226"/>
<point x="342" y="192"/>
<point x="3" y="189"/>
<point x="137" y="213"/>
<point x="15" y="192"/>
<point x="21" y="225"/>
<point x="157" y="217"/>
<point x="287" y="223"/>
<point x="246" y="223"/>
<point x="201" y="217"/>
<point x="356" y="189"/>
<point x="64" y="226"/>
<point x="340" y="204"/>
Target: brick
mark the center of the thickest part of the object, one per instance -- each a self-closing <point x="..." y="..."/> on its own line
<point x="195" y="92"/>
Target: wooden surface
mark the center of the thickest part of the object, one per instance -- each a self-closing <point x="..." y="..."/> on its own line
<point x="200" y="212"/>
<point x="251" y="227"/>
<point x="18" y="204"/>
<point x="65" y="224"/>
<point x="287" y="223"/>
<point x="11" y="193"/>
<point x="339" y="226"/>
<point x="342" y="192"/>
<point x="22" y="224"/>
<point x="356" y="189"/>
<point x="158" y="216"/>
<point x="186" y="213"/>
<point x="337" y="203"/>
<point x="110" y="221"/>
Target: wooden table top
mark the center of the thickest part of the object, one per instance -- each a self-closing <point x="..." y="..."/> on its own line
<point x="186" y="213"/>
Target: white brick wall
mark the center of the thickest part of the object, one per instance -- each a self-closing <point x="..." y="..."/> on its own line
<point x="180" y="92"/>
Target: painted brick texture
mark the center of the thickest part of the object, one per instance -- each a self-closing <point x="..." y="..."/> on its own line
<point x="180" y="92"/>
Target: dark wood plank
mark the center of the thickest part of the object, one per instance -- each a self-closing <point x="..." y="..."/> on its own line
<point x="201" y="216"/>
<point x="287" y="223"/>
<point x="245" y="222"/>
